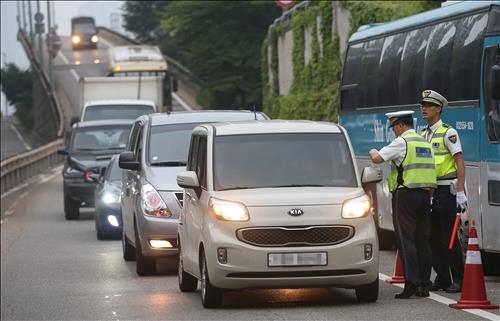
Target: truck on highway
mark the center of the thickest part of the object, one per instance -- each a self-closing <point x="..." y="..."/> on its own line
<point x="107" y="94"/>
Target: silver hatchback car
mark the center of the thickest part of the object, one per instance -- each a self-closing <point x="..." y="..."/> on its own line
<point x="151" y="200"/>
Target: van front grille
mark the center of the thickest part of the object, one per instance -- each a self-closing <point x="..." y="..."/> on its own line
<point x="296" y="236"/>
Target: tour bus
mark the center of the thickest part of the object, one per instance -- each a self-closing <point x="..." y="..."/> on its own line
<point x="83" y="33"/>
<point x="454" y="50"/>
<point x="142" y="61"/>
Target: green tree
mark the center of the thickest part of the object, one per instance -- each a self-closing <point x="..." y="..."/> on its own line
<point x="143" y="19"/>
<point x="220" y="42"/>
<point x="18" y="88"/>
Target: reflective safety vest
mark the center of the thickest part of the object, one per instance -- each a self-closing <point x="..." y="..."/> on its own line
<point x="445" y="163"/>
<point x="418" y="169"/>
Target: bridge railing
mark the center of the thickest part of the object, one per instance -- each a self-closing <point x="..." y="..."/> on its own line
<point x="17" y="169"/>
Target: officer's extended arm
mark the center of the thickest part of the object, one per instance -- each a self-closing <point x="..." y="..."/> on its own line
<point x="375" y="156"/>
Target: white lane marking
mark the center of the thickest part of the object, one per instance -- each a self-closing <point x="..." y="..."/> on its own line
<point x="182" y="102"/>
<point x="444" y="300"/>
<point x="66" y="61"/>
<point x="20" y="137"/>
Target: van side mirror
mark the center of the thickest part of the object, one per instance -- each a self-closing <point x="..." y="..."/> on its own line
<point x="495" y="82"/>
<point x="371" y="175"/>
<point x="127" y="161"/>
<point x="189" y="179"/>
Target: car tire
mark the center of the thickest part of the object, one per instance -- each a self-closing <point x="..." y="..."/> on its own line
<point x="128" y="249"/>
<point x="144" y="265"/>
<point x="368" y="292"/>
<point x="187" y="282"/>
<point x="101" y="235"/>
<point x="71" y="209"/>
<point x="211" y="296"/>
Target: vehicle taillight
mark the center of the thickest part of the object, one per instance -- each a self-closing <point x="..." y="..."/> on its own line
<point x="86" y="175"/>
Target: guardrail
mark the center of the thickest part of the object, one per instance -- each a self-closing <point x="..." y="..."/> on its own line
<point x="17" y="169"/>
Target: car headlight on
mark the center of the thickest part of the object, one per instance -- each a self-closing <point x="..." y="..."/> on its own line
<point x="76" y="39"/>
<point x="110" y="198"/>
<point x="357" y="207"/>
<point x="228" y="211"/>
<point x="94" y="38"/>
<point x="152" y="204"/>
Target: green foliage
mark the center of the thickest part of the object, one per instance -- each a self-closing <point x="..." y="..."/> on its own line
<point x="143" y="19"/>
<point x="314" y="93"/>
<point x="364" y="12"/>
<point x="18" y="88"/>
<point x="220" y="42"/>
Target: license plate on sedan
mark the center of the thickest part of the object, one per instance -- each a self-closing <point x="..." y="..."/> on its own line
<point x="297" y="259"/>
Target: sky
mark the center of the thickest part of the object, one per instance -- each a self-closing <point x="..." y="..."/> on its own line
<point x="62" y="12"/>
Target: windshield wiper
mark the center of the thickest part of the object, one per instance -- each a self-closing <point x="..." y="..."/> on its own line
<point x="235" y="187"/>
<point x="169" y="163"/>
<point x="301" y="185"/>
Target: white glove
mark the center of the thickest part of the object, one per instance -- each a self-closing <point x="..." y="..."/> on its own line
<point x="461" y="201"/>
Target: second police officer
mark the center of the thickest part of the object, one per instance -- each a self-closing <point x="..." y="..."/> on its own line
<point x="449" y="196"/>
<point x="411" y="181"/>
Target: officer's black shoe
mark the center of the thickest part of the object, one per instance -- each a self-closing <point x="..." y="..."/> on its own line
<point x="422" y="292"/>
<point x="439" y="286"/>
<point x="454" y="288"/>
<point x="409" y="290"/>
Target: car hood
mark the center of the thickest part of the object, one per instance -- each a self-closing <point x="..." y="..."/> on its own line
<point x="163" y="178"/>
<point x="291" y="196"/>
<point x="90" y="161"/>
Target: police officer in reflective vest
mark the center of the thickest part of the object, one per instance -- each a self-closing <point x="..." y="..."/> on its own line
<point x="411" y="181"/>
<point x="450" y="171"/>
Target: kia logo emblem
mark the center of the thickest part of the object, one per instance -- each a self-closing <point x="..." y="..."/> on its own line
<point x="295" y="212"/>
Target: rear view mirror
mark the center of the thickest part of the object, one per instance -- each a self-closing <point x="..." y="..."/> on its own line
<point x="63" y="151"/>
<point x="187" y="179"/>
<point x="371" y="175"/>
<point x="74" y="119"/>
<point x="127" y="161"/>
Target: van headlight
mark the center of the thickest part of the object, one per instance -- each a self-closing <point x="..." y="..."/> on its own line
<point x="357" y="207"/>
<point x="76" y="39"/>
<point x="94" y="38"/>
<point x="228" y="211"/>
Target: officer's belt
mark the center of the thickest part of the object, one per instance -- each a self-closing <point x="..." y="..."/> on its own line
<point x="445" y="182"/>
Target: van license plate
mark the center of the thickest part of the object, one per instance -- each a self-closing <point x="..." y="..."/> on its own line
<point x="297" y="259"/>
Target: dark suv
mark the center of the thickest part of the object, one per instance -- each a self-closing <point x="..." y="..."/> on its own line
<point x="91" y="146"/>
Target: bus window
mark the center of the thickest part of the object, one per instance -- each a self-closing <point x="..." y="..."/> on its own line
<point x="412" y="66"/>
<point x="466" y="58"/>
<point x="370" y="65"/>
<point x="350" y="77"/>
<point x="438" y="57"/>
<point x="390" y="60"/>
<point x="491" y="107"/>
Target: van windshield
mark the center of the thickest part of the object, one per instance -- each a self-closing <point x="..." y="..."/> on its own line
<point x="282" y="160"/>
<point x="100" y="112"/>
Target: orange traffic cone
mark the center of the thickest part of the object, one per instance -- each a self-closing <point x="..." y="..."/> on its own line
<point x="398" y="276"/>
<point x="473" y="289"/>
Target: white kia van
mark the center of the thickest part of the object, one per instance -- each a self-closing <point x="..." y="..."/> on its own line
<point x="275" y="204"/>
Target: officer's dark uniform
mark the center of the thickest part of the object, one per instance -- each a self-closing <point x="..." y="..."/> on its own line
<point x="412" y="177"/>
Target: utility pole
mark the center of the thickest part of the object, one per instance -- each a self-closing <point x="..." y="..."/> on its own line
<point x="24" y="16"/>
<point x="40" y="29"/>
<point x="31" y="22"/>
<point x="49" y="45"/>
